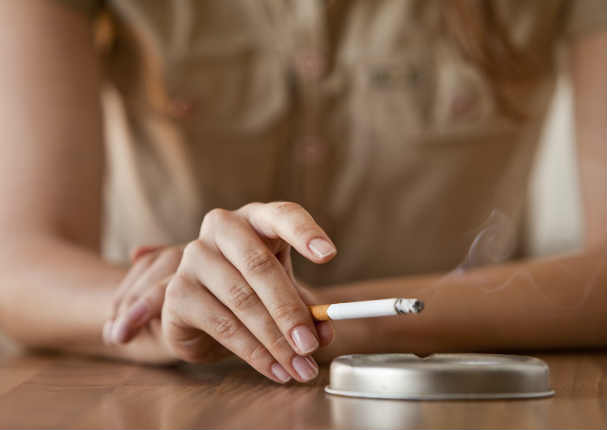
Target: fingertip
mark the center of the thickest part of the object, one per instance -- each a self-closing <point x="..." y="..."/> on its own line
<point x="120" y="332"/>
<point x="142" y="250"/>
<point x="127" y="326"/>
<point x="326" y="333"/>
<point x="136" y="253"/>
<point x="280" y="374"/>
<point x="304" y="339"/>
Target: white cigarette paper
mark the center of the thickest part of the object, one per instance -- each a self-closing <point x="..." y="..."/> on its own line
<point x="373" y="308"/>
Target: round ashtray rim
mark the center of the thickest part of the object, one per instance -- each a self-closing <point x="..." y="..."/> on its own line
<point x="536" y="368"/>
<point x="441" y="396"/>
<point x="508" y="359"/>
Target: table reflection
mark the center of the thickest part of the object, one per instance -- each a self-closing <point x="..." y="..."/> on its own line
<point x="350" y="412"/>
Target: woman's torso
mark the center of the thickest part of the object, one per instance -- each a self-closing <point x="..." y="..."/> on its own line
<point x="363" y="112"/>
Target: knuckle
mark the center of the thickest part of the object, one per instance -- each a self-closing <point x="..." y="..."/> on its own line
<point x="193" y="250"/>
<point x="280" y="343"/>
<point x="242" y="296"/>
<point x="216" y="216"/>
<point x="304" y="229"/>
<point x="172" y="255"/>
<point x="223" y="327"/>
<point x="191" y="352"/>
<point x="258" y="261"/>
<point x="289" y="313"/>
<point x="178" y="289"/>
<point x="249" y="206"/>
<point x="285" y="208"/>
<point x="258" y="354"/>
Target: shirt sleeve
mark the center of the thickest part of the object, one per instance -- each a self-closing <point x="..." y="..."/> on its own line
<point x="88" y="7"/>
<point x="584" y="17"/>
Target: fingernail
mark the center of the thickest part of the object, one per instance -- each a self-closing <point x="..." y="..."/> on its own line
<point x="305" y="367"/>
<point x="280" y="373"/>
<point x="131" y="318"/>
<point x="119" y="331"/>
<point x="304" y="339"/>
<point x="321" y="247"/>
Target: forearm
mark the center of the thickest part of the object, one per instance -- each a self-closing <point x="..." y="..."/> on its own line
<point x="55" y="294"/>
<point x="548" y="303"/>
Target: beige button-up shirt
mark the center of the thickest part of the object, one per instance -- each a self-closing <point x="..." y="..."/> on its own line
<point x="364" y="112"/>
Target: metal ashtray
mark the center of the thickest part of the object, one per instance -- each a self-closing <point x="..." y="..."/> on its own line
<point x="439" y="377"/>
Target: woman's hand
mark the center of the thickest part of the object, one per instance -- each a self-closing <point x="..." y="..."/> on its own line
<point x="232" y="289"/>
<point x="135" y="312"/>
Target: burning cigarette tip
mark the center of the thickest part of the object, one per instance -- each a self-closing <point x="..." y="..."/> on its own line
<point x="408" y="306"/>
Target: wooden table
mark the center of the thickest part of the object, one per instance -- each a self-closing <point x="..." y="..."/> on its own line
<point x="69" y="392"/>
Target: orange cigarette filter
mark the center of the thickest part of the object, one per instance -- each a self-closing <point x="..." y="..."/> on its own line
<point x="319" y="312"/>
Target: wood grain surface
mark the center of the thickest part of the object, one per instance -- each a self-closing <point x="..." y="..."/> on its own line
<point x="57" y="391"/>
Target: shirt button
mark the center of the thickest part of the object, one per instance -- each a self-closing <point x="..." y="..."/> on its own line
<point x="311" y="151"/>
<point x="310" y="66"/>
<point x="180" y="108"/>
<point x="464" y="104"/>
<point x="380" y="78"/>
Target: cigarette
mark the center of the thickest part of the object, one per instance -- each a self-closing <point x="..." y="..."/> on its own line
<point x="366" y="309"/>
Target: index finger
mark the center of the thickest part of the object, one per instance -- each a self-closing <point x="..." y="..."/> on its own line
<point x="236" y="240"/>
<point x="292" y="223"/>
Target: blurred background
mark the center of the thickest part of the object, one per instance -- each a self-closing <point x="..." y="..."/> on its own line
<point x="555" y="218"/>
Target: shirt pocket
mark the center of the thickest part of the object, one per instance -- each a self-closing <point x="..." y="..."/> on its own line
<point x="392" y="95"/>
<point x="405" y="124"/>
<point x="232" y="71"/>
<point x="242" y="91"/>
<point x="419" y="98"/>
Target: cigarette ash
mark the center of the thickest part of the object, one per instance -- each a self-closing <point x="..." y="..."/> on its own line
<point x="408" y="306"/>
